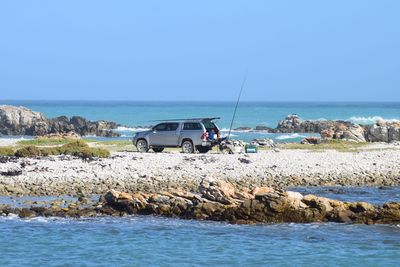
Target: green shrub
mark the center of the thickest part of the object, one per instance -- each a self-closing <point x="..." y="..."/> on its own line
<point x="6" y="151"/>
<point x="72" y="147"/>
<point x="28" y="151"/>
<point x="91" y="152"/>
<point x="49" y="151"/>
<point x="75" y="148"/>
<point x="81" y="149"/>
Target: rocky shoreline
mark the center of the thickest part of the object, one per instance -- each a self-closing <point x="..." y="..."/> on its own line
<point x="23" y="121"/>
<point x="380" y="131"/>
<point x="219" y="201"/>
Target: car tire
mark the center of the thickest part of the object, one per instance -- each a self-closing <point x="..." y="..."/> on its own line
<point x="203" y="149"/>
<point x="158" y="149"/>
<point x="142" y="146"/>
<point x="187" y="147"/>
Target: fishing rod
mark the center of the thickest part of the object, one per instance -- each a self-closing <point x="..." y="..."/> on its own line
<point x="237" y="103"/>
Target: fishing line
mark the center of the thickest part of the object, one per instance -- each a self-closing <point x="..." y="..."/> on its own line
<point x="237" y="103"/>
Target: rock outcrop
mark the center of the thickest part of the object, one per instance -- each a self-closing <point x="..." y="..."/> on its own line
<point x="221" y="201"/>
<point x="381" y="131"/>
<point x="23" y="121"/>
<point x="294" y="124"/>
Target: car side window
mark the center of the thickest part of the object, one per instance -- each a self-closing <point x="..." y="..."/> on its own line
<point x="172" y="126"/>
<point x="161" y="127"/>
<point x="190" y="126"/>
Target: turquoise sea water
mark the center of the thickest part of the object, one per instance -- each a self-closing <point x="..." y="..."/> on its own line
<point x="154" y="241"/>
<point x="135" y="114"/>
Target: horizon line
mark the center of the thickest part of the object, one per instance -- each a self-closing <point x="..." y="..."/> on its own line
<point x="200" y="101"/>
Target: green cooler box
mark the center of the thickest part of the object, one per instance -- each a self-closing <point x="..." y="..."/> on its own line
<point x="251" y="149"/>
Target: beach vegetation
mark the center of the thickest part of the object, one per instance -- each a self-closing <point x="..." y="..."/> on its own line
<point x="116" y="145"/>
<point x="28" y="151"/>
<point x="338" y="145"/>
<point x="115" y="142"/>
<point x="6" y="151"/>
<point x="76" y="148"/>
<point x="44" y="141"/>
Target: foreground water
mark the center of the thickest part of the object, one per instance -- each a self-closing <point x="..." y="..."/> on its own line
<point x="153" y="241"/>
<point x="149" y="241"/>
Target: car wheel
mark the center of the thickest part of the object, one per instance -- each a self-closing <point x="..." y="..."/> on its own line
<point x="187" y="147"/>
<point x="142" y="145"/>
<point x="158" y="149"/>
<point x="203" y="149"/>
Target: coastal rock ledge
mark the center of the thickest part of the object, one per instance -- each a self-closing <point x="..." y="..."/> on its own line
<point x="221" y="201"/>
<point x="23" y="121"/>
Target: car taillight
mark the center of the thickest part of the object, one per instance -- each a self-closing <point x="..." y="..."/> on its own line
<point x="204" y="136"/>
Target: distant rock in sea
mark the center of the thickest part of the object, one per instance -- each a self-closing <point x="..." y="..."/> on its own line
<point x="381" y="131"/>
<point x="243" y="128"/>
<point x="23" y="121"/>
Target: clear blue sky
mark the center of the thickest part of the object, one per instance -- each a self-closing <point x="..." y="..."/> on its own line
<point x="200" y="50"/>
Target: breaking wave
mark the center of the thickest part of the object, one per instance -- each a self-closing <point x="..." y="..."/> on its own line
<point x="238" y="131"/>
<point x="369" y="120"/>
<point x="290" y="136"/>
<point x="130" y="129"/>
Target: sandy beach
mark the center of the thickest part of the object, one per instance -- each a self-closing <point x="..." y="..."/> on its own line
<point x="376" y="165"/>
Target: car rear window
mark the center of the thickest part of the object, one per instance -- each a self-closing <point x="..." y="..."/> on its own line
<point x="190" y="126"/>
<point x="209" y="125"/>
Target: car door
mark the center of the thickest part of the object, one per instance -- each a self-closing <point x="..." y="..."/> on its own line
<point x="156" y="136"/>
<point x="165" y="134"/>
<point x="171" y="136"/>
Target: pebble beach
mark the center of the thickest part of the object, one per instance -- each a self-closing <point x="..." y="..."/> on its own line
<point x="379" y="165"/>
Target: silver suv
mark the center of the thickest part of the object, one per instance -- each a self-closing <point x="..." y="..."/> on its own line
<point x="199" y="134"/>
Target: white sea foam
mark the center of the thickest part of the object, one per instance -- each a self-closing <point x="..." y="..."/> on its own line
<point x="369" y="120"/>
<point x="226" y="134"/>
<point x="289" y="136"/>
<point x="237" y="131"/>
<point x="130" y="129"/>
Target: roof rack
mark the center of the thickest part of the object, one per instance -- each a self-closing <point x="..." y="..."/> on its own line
<point x="191" y="119"/>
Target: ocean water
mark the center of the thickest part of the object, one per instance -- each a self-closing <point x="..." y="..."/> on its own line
<point x="149" y="241"/>
<point x="155" y="241"/>
<point x="139" y="115"/>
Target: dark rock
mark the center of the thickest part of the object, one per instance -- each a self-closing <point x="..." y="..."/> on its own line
<point x="243" y="129"/>
<point x="245" y="161"/>
<point x="26" y="213"/>
<point x="311" y="140"/>
<point x="12" y="172"/>
<point x="263" y="128"/>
